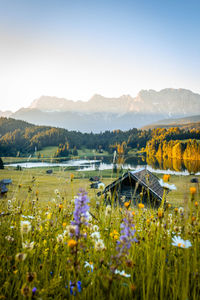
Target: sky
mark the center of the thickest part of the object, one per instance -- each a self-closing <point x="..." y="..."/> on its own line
<point x="74" y="49"/>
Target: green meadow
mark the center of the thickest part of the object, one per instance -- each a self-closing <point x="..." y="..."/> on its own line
<point x="57" y="246"/>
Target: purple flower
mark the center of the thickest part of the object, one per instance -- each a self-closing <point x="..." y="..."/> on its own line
<point x="80" y="212"/>
<point x="34" y="290"/>
<point x="127" y="235"/>
<point x="72" y="286"/>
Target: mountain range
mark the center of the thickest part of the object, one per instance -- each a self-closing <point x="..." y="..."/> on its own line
<point x="101" y="113"/>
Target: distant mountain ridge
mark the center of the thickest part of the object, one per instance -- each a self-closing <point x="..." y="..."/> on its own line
<point x="167" y="101"/>
<point x="101" y="113"/>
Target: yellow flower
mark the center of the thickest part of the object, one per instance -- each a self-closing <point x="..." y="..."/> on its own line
<point x="193" y="190"/>
<point x="141" y="205"/>
<point x="175" y="209"/>
<point x="127" y="204"/>
<point x="133" y="213"/>
<point x="49" y="216"/>
<point x="166" y="177"/>
<point x="160" y="213"/>
<point x="168" y="205"/>
<point x="64" y="224"/>
<point x="71" y="177"/>
<point x="148" y="221"/>
<point x="196" y="204"/>
<point x="60" y="206"/>
<point x="37" y="193"/>
<point x="72" y="243"/>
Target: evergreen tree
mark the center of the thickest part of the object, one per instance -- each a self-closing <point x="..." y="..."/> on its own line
<point x="1" y="164"/>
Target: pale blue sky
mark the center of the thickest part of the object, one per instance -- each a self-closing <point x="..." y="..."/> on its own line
<point x="73" y="49"/>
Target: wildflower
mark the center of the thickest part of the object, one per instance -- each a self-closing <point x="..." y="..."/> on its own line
<point x="59" y="238"/>
<point x="160" y="213"/>
<point x="89" y="265"/>
<point x="114" y="234"/>
<point x="141" y="205"/>
<point x="9" y="238"/>
<point x="95" y="235"/>
<point x="99" y="245"/>
<point x="73" y="285"/>
<point x="34" y="290"/>
<point x="49" y="216"/>
<point x="178" y="242"/>
<point x="80" y="212"/>
<point x="101" y="186"/>
<point x="193" y="190"/>
<point x="167" y="185"/>
<point x="60" y="206"/>
<point x="95" y="227"/>
<point x="181" y="210"/>
<point x="25" y="291"/>
<point x="20" y="256"/>
<point x="196" y="204"/>
<point x="72" y="243"/>
<point x="133" y="213"/>
<point x="25" y="227"/>
<point x="64" y="224"/>
<point x="70" y="230"/>
<point x="71" y="177"/>
<point x="166" y="177"/>
<point x="127" y="204"/>
<point x="108" y="210"/>
<point x="28" y="246"/>
<point x="122" y="273"/>
<point x="127" y="235"/>
<point x="175" y="209"/>
<point x="56" y="191"/>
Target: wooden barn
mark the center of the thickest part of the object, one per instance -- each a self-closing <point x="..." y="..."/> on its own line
<point x="3" y="186"/>
<point x="135" y="186"/>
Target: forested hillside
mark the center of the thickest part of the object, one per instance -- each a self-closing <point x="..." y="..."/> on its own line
<point x="174" y="143"/>
<point x="22" y="137"/>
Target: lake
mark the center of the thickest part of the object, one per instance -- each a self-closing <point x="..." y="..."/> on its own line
<point x="153" y="164"/>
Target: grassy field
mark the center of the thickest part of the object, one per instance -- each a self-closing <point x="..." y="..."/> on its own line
<point x="60" y="179"/>
<point x="53" y="248"/>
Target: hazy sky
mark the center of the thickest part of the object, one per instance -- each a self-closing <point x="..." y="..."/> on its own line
<point x="74" y="49"/>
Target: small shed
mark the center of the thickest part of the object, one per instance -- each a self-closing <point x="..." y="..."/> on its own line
<point x="3" y="186"/>
<point x="135" y="186"/>
<point x="95" y="178"/>
<point x="49" y="171"/>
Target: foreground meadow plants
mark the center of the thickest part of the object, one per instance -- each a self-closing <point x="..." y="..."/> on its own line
<point x="70" y="248"/>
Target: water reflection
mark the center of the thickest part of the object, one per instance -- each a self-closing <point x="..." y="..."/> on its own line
<point x="155" y="164"/>
<point x="177" y="165"/>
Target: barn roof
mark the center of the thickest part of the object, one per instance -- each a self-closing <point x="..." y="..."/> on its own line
<point x="143" y="177"/>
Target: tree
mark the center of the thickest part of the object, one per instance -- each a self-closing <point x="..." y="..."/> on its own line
<point x="1" y="164"/>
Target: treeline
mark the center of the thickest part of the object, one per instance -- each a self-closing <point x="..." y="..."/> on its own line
<point x="174" y="143"/>
<point x="21" y="138"/>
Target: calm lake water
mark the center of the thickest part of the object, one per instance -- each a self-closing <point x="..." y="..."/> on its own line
<point x="178" y="167"/>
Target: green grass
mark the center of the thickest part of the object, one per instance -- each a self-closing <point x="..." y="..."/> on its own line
<point x="47" y="151"/>
<point x="156" y="269"/>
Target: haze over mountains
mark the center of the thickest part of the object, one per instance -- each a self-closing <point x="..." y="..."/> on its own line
<point x="101" y="113"/>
